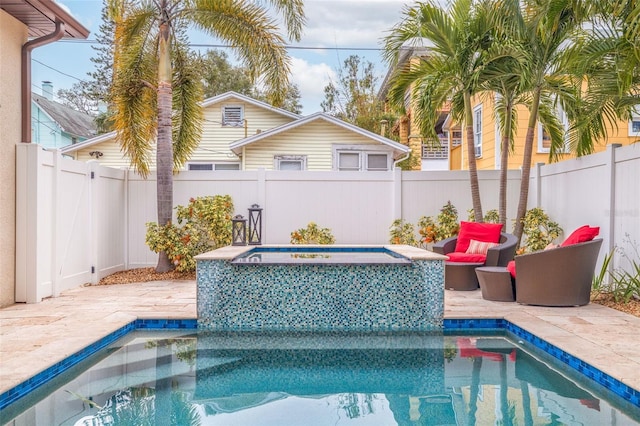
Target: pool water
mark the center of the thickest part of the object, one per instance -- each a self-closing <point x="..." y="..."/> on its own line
<point x="205" y="378"/>
<point x="329" y="255"/>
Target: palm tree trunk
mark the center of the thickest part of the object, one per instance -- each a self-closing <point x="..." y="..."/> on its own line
<point x="471" y="153"/>
<point x="504" y="165"/>
<point x="164" y="151"/>
<point x="526" y="166"/>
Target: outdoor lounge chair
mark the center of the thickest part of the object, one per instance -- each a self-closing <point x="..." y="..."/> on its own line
<point x="559" y="276"/>
<point x="462" y="275"/>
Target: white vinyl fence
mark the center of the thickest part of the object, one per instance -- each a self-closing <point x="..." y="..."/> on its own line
<point x="78" y="222"/>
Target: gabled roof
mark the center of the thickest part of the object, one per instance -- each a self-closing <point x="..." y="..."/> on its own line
<point x="236" y="147"/>
<point x="40" y="17"/>
<point x="89" y="142"/>
<point x="231" y="96"/>
<point x="225" y="97"/>
<point x="70" y="121"/>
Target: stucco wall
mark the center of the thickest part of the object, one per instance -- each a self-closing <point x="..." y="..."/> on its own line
<point x="12" y="35"/>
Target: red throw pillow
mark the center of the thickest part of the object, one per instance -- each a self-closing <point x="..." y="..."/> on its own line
<point x="487" y="232"/>
<point x="511" y="267"/>
<point x="581" y="235"/>
<point x="466" y="257"/>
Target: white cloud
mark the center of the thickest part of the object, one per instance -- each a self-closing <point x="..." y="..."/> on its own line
<point x="311" y="80"/>
<point x="349" y="23"/>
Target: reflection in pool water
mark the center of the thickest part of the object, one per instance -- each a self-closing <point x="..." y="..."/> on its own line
<point x="320" y="379"/>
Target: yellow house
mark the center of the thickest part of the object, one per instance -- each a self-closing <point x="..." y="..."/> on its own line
<point x="450" y="151"/>
<point x="24" y="26"/>
<point x="487" y="137"/>
<point x="241" y="133"/>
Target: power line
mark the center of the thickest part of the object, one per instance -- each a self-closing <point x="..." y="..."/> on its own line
<point x="228" y="46"/>
<point x="58" y="71"/>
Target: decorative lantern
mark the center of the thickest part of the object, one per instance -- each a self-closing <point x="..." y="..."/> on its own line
<point x="255" y="225"/>
<point x="239" y="231"/>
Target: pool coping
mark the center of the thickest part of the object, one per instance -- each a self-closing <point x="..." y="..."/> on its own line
<point x="410" y="252"/>
<point x="464" y="325"/>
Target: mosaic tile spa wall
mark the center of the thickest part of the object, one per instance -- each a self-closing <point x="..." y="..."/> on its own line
<point x="348" y="297"/>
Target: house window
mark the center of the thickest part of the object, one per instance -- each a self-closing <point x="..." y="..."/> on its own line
<point x="544" y="138"/>
<point x="348" y="161"/>
<point x="456" y="138"/>
<point x="477" y="130"/>
<point x="356" y="160"/>
<point x="377" y="162"/>
<point x="213" y="166"/>
<point x="634" y="124"/>
<point x="232" y="115"/>
<point x="290" y="162"/>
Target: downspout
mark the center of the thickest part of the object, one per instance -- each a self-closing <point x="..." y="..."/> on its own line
<point x="26" y="75"/>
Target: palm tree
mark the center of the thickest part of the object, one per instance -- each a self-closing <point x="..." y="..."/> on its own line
<point x="609" y="57"/>
<point x="156" y="91"/>
<point x="550" y="25"/>
<point x="458" y="41"/>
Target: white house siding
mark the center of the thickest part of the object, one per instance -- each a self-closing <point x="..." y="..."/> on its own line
<point x="216" y="138"/>
<point x="315" y="140"/>
<point x="12" y="35"/>
<point x="214" y="145"/>
<point x="112" y="156"/>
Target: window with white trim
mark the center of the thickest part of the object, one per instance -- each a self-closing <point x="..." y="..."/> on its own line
<point x="634" y="123"/>
<point x="233" y="115"/>
<point x="544" y="138"/>
<point x="213" y="166"/>
<point x="357" y="159"/>
<point x="290" y="162"/>
<point x="477" y="130"/>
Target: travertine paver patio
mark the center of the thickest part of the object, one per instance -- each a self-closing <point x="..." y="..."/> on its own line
<point x="33" y="337"/>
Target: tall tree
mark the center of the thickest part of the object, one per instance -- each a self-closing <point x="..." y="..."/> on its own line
<point x="550" y="25"/>
<point x="220" y="75"/>
<point x="157" y="90"/>
<point x="92" y="96"/>
<point x="353" y="98"/>
<point x="458" y="39"/>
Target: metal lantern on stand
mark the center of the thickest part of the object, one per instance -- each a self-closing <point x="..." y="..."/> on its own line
<point x="255" y="225"/>
<point x="238" y="231"/>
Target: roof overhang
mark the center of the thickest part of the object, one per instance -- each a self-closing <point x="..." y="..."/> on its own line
<point x="40" y="17"/>
<point x="397" y="148"/>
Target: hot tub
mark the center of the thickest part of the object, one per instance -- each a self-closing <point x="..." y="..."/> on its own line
<point x="346" y="288"/>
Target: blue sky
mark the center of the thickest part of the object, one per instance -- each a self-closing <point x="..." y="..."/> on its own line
<point x="332" y="26"/>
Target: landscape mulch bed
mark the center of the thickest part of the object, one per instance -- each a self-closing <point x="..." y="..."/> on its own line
<point x="149" y="274"/>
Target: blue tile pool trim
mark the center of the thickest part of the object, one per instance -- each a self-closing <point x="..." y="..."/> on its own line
<point x="451" y="326"/>
<point x="616" y="386"/>
<point x="58" y="368"/>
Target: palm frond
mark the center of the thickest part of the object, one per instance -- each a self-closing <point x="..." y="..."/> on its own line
<point x="253" y="34"/>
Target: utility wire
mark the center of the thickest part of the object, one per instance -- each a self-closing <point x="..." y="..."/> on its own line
<point x="225" y="46"/>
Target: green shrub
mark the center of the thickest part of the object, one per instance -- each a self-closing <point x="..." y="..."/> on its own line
<point x="312" y="235"/>
<point x="444" y="226"/>
<point x="492" y="216"/>
<point x="204" y="224"/>
<point x="621" y="284"/>
<point x="402" y="233"/>
<point x="538" y="231"/>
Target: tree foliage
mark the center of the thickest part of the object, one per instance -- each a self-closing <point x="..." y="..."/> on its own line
<point x="353" y="98"/>
<point x="157" y="88"/>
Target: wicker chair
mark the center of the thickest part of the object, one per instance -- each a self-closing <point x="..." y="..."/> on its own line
<point x="560" y="276"/>
<point x="462" y="276"/>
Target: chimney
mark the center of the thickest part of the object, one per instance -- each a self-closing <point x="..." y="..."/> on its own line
<point x="47" y="90"/>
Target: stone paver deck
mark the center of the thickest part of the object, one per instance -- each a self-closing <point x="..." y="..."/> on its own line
<point x="33" y="337"/>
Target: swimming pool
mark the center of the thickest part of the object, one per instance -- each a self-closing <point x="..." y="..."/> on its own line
<point x="469" y="374"/>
